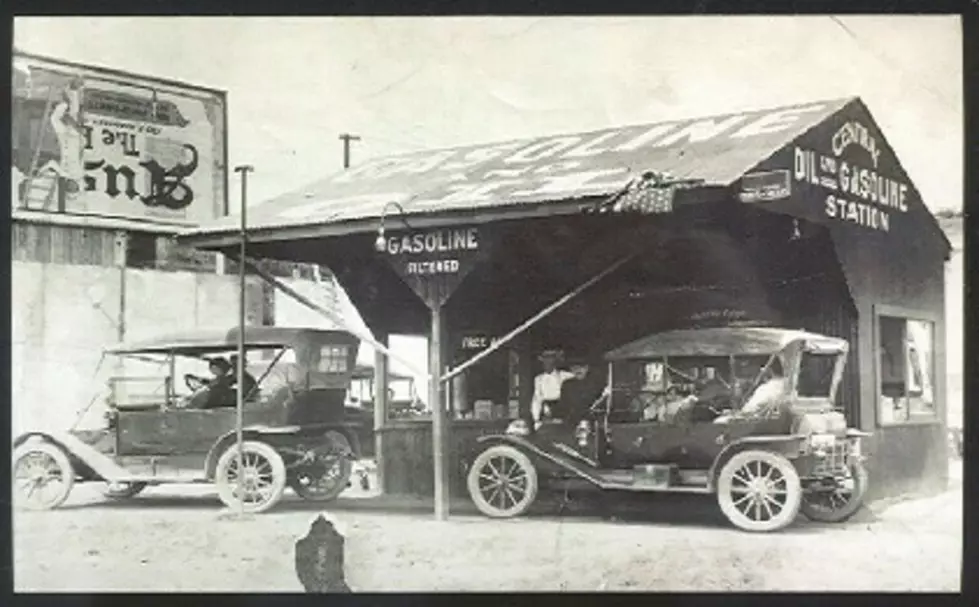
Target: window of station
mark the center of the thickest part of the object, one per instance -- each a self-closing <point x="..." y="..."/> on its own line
<point x="906" y="370"/>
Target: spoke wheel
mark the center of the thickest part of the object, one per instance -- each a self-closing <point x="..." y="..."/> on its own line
<point x="43" y="476"/>
<point x="759" y="491"/>
<point x="325" y="477"/>
<point x="502" y="482"/>
<point x="263" y="476"/>
<point x="121" y="491"/>
<point x="839" y="504"/>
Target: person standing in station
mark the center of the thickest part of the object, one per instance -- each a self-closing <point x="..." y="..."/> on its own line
<point x="581" y="391"/>
<point x="547" y="386"/>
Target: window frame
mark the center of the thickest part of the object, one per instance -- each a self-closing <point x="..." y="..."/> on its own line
<point x="334" y="352"/>
<point x="907" y="315"/>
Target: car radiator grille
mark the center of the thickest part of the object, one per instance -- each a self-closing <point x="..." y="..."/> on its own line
<point x="833" y="461"/>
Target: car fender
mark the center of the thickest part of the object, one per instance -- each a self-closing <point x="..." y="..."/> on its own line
<point x="78" y="451"/>
<point x="787" y="445"/>
<point x="538" y="454"/>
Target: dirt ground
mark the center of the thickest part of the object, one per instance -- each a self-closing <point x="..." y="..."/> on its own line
<point x="182" y="539"/>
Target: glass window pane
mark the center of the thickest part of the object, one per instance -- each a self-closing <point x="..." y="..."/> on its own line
<point x="892" y="398"/>
<point x="920" y="368"/>
<point x="816" y="375"/>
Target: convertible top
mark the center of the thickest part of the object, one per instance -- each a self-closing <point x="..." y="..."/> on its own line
<point x="204" y="341"/>
<point x="723" y="341"/>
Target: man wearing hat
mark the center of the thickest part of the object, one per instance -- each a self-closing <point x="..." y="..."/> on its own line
<point x="547" y="386"/>
<point x="582" y="391"/>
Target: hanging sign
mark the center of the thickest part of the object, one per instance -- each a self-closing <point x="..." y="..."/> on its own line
<point x="434" y="262"/>
<point x="766" y="186"/>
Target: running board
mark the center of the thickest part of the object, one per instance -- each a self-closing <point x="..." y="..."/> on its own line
<point x="628" y="480"/>
<point x="678" y="481"/>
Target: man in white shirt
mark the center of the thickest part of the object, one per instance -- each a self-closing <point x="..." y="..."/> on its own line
<point x="769" y="392"/>
<point x="547" y="386"/>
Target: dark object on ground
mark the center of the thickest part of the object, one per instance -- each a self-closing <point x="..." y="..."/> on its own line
<point x="319" y="558"/>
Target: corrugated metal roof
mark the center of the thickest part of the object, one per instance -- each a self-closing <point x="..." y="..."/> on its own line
<point x="717" y="150"/>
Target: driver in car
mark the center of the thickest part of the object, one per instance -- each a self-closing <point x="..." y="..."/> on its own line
<point x="249" y="384"/>
<point x="769" y="392"/>
<point x="215" y="392"/>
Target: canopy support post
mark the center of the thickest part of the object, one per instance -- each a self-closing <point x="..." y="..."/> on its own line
<point x="380" y="408"/>
<point x="439" y="426"/>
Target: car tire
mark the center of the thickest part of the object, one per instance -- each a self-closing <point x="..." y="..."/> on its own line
<point x="265" y="473"/>
<point x="31" y="462"/>
<point x="502" y="482"/>
<point x="759" y="491"/>
<point x="837" y="511"/>
<point x="315" y="490"/>
<point x="121" y="491"/>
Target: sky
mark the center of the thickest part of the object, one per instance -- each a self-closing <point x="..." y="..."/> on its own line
<point x="404" y="84"/>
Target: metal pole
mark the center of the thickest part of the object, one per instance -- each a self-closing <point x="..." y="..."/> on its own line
<point x="438" y="418"/>
<point x="240" y="404"/>
<point x="346" y="138"/>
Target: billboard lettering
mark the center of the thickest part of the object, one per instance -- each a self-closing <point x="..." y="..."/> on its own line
<point x="87" y="143"/>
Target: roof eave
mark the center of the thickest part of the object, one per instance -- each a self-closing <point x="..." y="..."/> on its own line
<point x="218" y="238"/>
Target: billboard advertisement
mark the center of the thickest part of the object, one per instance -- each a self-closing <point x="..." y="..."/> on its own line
<point x="93" y="141"/>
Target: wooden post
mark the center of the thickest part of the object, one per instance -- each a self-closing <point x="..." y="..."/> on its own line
<point x="439" y="426"/>
<point x="380" y="408"/>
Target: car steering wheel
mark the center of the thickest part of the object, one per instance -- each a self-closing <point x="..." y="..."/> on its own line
<point x="193" y="382"/>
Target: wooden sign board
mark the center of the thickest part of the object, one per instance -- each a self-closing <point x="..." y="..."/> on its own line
<point x="434" y="262"/>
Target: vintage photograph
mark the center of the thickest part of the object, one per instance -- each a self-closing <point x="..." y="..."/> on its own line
<point x="508" y="304"/>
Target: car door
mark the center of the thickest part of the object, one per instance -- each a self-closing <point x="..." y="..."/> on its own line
<point x="645" y="442"/>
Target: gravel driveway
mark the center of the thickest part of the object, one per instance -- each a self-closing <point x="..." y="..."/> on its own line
<point x="180" y="538"/>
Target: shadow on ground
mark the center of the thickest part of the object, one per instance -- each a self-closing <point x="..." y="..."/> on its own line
<point x="623" y="509"/>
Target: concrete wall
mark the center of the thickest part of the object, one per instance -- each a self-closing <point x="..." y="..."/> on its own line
<point x="61" y="316"/>
<point x="64" y="315"/>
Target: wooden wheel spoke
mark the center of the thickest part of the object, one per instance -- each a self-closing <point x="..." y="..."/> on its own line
<point x="496" y="491"/>
<point x="494" y="469"/>
<point x="742" y="499"/>
<point x="510" y="496"/>
<point x="768" y="508"/>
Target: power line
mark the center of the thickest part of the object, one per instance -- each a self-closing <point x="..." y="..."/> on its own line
<point x="890" y="63"/>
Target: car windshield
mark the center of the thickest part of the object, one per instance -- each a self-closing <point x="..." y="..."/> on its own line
<point x="816" y="375"/>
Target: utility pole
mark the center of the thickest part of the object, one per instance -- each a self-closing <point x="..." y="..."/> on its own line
<point x="346" y="138"/>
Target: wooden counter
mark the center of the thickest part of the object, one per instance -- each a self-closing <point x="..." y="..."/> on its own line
<point x="408" y="468"/>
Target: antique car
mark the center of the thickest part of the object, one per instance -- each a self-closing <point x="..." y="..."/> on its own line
<point x="156" y="429"/>
<point x="765" y="458"/>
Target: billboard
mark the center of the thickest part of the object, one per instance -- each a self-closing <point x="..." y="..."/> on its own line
<point x="94" y="141"/>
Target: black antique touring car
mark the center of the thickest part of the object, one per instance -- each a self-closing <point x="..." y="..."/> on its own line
<point x="745" y="413"/>
<point x="156" y="430"/>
